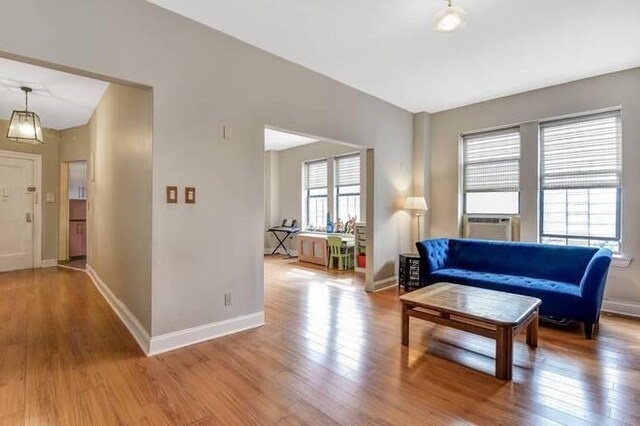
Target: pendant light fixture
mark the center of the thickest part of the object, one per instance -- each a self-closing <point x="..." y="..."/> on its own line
<point x="25" y="125"/>
<point x="449" y="18"/>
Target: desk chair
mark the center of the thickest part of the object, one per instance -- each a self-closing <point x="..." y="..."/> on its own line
<point x="345" y="258"/>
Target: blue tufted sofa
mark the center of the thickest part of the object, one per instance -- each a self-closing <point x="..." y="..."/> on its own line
<point x="569" y="280"/>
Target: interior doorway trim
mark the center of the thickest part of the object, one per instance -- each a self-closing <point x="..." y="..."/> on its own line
<point x="63" y="213"/>
<point x="37" y="178"/>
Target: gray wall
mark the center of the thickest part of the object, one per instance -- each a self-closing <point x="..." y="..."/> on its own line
<point x="202" y="80"/>
<point x="620" y="89"/>
<point x="119" y="190"/>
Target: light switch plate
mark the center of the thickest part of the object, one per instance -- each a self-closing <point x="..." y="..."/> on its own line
<point x="172" y="194"/>
<point x="189" y="195"/>
<point x="50" y="197"/>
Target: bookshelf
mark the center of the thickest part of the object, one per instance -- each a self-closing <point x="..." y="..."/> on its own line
<point x="360" y="246"/>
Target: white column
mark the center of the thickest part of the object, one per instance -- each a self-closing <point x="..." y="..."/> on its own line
<point x="529" y="182"/>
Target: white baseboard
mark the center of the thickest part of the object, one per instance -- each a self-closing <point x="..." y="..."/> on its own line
<point x="623" y="308"/>
<point x="385" y="284"/>
<point x="280" y="251"/>
<point x="189" y="336"/>
<point x="48" y="263"/>
<point x="177" y="339"/>
<point x="129" y="320"/>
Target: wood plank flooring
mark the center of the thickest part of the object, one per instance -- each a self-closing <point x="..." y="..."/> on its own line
<point x="329" y="354"/>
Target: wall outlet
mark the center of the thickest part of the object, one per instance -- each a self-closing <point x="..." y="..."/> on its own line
<point x="227" y="299"/>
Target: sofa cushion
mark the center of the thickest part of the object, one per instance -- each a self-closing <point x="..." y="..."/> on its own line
<point x="558" y="298"/>
<point x="547" y="262"/>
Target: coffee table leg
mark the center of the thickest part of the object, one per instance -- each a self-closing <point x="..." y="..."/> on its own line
<point x="405" y="325"/>
<point x="532" y="332"/>
<point x="504" y="353"/>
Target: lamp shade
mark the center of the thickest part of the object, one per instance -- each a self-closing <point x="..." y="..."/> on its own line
<point x="449" y="18"/>
<point x="25" y="127"/>
<point x="415" y="203"/>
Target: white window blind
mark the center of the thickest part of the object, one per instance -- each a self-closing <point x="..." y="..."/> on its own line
<point x="317" y="174"/>
<point x="584" y="152"/>
<point x="492" y="161"/>
<point x="348" y="170"/>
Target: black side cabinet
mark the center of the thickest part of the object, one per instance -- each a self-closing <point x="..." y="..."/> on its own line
<point x="409" y="271"/>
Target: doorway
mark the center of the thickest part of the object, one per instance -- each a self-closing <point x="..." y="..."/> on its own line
<point x="318" y="203"/>
<point x="20" y="245"/>
<point x="73" y="214"/>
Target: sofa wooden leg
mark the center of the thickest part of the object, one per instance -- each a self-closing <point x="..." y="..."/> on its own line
<point x="588" y="330"/>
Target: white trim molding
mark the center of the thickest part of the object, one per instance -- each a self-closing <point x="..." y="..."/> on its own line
<point x="622" y="308"/>
<point x="167" y="342"/>
<point x="129" y="320"/>
<point x="48" y="263"/>
<point x="268" y="251"/>
<point x="385" y="284"/>
<point x="189" y="336"/>
<point x="621" y="261"/>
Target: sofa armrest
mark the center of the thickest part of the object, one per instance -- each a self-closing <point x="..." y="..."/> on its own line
<point x="593" y="282"/>
<point x="434" y="255"/>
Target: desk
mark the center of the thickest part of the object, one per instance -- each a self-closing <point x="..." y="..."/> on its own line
<point x="312" y="246"/>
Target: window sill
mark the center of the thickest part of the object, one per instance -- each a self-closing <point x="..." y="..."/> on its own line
<point x="619" y="261"/>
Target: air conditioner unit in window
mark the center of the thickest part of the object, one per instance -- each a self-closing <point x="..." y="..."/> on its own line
<point x="485" y="227"/>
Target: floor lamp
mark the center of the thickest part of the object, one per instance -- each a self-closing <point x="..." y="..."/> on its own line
<point x="417" y="204"/>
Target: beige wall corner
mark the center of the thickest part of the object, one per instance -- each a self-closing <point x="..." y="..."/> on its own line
<point x="75" y="144"/>
<point x="119" y="212"/>
<point x="421" y="170"/>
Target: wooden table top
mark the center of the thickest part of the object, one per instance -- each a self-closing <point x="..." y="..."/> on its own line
<point x="494" y="307"/>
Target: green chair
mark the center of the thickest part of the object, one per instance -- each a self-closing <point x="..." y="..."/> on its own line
<point x="345" y="258"/>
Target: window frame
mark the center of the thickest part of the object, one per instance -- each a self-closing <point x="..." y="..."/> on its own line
<point x="463" y="169"/>
<point x="617" y="239"/>
<point x="338" y="187"/>
<point x="307" y="190"/>
<point x="618" y="225"/>
<point x="348" y="194"/>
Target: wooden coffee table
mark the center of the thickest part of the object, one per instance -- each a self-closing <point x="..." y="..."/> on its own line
<point x="494" y="314"/>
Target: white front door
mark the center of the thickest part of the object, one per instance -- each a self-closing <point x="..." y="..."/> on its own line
<point x="17" y="198"/>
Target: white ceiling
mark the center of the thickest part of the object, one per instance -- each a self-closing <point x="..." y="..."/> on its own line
<point x="61" y="100"/>
<point x="275" y="140"/>
<point x="387" y="48"/>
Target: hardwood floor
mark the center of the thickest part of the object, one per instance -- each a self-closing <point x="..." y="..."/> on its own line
<point x="329" y="354"/>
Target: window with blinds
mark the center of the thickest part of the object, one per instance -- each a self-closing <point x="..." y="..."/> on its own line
<point x="347" y="178"/>
<point x="316" y="177"/>
<point x="491" y="172"/>
<point x="581" y="180"/>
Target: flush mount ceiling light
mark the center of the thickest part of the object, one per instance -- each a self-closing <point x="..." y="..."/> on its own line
<point x="449" y="18"/>
<point x="25" y="125"/>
